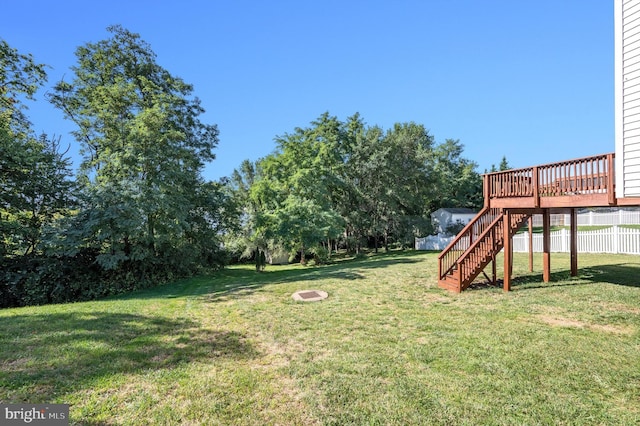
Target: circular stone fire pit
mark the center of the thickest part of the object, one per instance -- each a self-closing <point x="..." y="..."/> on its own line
<point x="309" y="295"/>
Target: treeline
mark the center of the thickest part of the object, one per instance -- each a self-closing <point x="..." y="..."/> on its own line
<point x="137" y="212"/>
<point x="343" y="184"/>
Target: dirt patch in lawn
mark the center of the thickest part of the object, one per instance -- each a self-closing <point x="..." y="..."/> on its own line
<point x="572" y="323"/>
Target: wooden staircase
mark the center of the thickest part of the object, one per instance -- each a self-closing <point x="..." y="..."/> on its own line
<point x="475" y="247"/>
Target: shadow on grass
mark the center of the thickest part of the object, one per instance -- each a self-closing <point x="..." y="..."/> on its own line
<point x="345" y="270"/>
<point x="624" y="274"/>
<point x="45" y="355"/>
<point x="246" y="280"/>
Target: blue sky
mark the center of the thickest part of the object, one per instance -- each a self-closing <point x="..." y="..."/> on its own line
<point x="531" y="80"/>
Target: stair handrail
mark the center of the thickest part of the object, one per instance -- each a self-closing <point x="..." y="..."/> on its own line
<point x="465" y="236"/>
<point x="498" y="238"/>
<point x="480" y="237"/>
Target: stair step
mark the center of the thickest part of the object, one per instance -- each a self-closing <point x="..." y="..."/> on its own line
<point x="449" y="283"/>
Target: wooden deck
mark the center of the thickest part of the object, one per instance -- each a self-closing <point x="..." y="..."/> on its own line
<point x="584" y="182"/>
<point x="510" y="198"/>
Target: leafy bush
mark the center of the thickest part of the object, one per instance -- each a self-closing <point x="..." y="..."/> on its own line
<point x="320" y="254"/>
<point x="40" y="279"/>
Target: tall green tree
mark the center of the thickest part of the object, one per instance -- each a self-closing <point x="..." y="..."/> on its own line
<point x="365" y="158"/>
<point x="504" y="165"/>
<point x="246" y="240"/>
<point x="390" y="182"/>
<point x="143" y="147"/>
<point x="410" y="182"/>
<point x="294" y="192"/>
<point x="20" y="79"/>
<point x="45" y="196"/>
<point x="355" y="183"/>
<point x="458" y="185"/>
<point x="35" y="177"/>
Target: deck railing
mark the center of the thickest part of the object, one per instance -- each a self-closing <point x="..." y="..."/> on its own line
<point x="583" y="176"/>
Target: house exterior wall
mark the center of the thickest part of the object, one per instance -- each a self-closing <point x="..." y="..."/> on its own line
<point x="627" y="97"/>
<point x="463" y="218"/>
<point x="442" y="218"/>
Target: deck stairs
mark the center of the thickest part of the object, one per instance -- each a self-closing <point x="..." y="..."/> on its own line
<point x="475" y="247"/>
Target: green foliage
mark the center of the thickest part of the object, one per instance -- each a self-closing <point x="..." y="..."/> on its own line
<point x="35" y="185"/>
<point x="39" y="195"/>
<point x="141" y="213"/>
<point x="458" y="185"/>
<point x="321" y="254"/>
<point x="345" y="182"/>
<point x="454" y="228"/>
<point x="291" y="200"/>
<point x="20" y="78"/>
<point x="504" y="165"/>
<point x="144" y="149"/>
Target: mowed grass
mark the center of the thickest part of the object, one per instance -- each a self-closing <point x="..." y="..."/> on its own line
<point x="386" y="347"/>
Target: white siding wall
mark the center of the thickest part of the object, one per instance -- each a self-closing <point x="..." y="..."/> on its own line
<point x="627" y="97"/>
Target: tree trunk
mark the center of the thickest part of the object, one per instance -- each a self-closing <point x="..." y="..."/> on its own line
<point x="303" y="261"/>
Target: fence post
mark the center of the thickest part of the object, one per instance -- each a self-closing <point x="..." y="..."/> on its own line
<point x="616" y="239"/>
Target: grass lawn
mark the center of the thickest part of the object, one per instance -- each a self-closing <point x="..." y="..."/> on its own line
<point x="386" y="347"/>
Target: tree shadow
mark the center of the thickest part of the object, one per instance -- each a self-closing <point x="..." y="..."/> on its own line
<point x="49" y="354"/>
<point x="235" y="281"/>
<point x="624" y="274"/>
<point x="346" y="270"/>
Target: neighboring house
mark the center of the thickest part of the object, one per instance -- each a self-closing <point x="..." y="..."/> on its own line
<point x="445" y="217"/>
<point x="627" y="98"/>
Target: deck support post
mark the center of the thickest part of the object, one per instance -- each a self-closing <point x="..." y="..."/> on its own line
<point x="531" y="243"/>
<point x="506" y="238"/>
<point x="574" y="243"/>
<point x="546" y="245"/>
<point x="494" y="275"/>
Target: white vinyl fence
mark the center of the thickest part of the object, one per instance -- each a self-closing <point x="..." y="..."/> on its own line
<point x="610" y="240"/>
<point x="619" y="217"/>
<point x="433" y="242"/>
